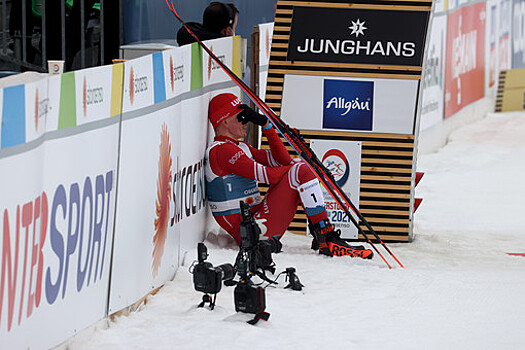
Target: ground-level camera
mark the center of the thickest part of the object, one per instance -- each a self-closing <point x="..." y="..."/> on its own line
<point x="208" y="278"/>
<point x="254" y="259"/>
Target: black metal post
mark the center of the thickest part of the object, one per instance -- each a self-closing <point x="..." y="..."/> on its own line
<point x="44" y="35"/>
<point x="102" y="33"/>
<point x="4" y="26"/>
<point x="63" y="18"/>
<point x="24" y="31"/>
<point x="82" y="34"/>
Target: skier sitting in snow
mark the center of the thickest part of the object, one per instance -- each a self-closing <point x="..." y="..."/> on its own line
<point x="233" y="168"/>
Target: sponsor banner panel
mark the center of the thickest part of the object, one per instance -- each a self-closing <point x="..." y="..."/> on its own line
<point x="67" y="110"/>
<point x="1" y="113"/>
<point x="177" y="70"/>
<point x="350" y="104"/>
<point x="433" y="83"/>
<point x="57" y="232"/>
<point x="439" y="6"/>
<point x="159" y="86"/>
<point x="36" y="107"/>
<point x="53" y="93"/>
<point x="146" y="232"/>
<point x="504" y="43"/>
<point x="13" y="116"/>
<point x="212" y="72"/>
<point x="93" y="94"/>
<point x="465" y="62"/>
<point x="117" y="85"/>
<point x="453" y="4"/>
<point x="492" y="43"/>
<point x="343" y="159"/>
<point x="497" y="40"/>
<point x="357" y="36"/>
<point x="265" y="45"/>
<point x="518" y="34"/>
<point x="193" y="204"/>
<point x="138" y="84"/>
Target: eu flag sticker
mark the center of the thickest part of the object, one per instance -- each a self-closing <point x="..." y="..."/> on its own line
<point x="348" y="104"/>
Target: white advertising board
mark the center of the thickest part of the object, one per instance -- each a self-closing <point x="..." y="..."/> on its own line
<point x="211" y="71"/>
<point x="36" y="107"/>
<point x="504" y="31"/>
<point x="93" y="87"/>
<point x="177" y="70"/>
<point x="146" y="241"/>
<point x="53" y="94"/>
<point x="433" y="77"/>
<point x="265" y="45"/>
<point x="57" y="231"/>
<point x="138" y="84"/>
<point x="350" y="104"/>
<point x="343" y="159"/>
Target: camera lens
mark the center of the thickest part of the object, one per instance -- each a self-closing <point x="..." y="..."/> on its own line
<point x="275" y="244"/>
<point x="227" y="271"/>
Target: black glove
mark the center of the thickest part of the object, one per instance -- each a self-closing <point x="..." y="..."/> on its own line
<point x="249" y="115"/>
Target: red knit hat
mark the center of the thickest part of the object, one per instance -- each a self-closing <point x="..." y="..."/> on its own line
<point x="222" y="107"/>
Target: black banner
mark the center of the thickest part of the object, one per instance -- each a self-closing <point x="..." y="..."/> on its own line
<point x="357" y="36"/>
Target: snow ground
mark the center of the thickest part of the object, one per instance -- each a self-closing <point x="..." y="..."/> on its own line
<point x="459" y="290"/>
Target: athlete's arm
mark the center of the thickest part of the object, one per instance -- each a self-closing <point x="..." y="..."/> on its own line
<point x="277" y="155"/>
<point x="228" y="158"/>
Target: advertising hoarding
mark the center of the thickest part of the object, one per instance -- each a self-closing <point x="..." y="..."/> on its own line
<point x="465" y="62"/>
<point x="56" y="227"/>
<point x="357" y="36"/>
<point x="350" y="104"/>
<point x="518" y="34"/>
<point x="265" y="45"/>
<point x="433" y="83"/>
<point x="343" y="159"/>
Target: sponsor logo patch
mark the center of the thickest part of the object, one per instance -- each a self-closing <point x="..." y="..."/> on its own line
<point x="348" y="105"/>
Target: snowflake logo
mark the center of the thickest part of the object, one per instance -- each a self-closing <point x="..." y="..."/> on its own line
<point x="358" y="27"/>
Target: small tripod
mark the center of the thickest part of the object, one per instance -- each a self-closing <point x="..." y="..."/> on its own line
<point x="207" y="299"/>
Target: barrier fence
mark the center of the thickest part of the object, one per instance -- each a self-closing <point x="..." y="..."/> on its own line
<point x="98" y="200"/>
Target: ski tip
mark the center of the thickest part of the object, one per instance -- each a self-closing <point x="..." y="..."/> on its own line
<point x="516" y="254"/>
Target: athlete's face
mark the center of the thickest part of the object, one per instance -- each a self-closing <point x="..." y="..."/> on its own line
<point x="237" y="130"/>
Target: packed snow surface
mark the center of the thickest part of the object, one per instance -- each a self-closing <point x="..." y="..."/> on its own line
<point x="459" y="288"/>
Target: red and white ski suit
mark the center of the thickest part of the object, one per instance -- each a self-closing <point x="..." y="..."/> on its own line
<point x="232" y="167"/>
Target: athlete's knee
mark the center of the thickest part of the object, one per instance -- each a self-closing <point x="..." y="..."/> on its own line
<point x="299" y="174"/>
<point x="305" y="174"/>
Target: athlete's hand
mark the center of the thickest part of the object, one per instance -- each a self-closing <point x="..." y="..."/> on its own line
<point x="249" y="115"/>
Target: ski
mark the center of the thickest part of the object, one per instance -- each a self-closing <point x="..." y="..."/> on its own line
<point x="296" y="141"/>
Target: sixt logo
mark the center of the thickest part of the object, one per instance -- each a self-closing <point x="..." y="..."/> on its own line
<point x="50" y="241"/>
<point x="337" y="163"/>
<point x="162" y="203"/>
<point x="348" y="104"/>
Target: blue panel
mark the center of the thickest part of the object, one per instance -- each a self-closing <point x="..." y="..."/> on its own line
<point x="158" y="78"/>
<point x="14" y="117"/>
<point x="348" y="104"/>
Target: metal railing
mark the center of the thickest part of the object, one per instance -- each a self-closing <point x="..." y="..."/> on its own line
<point x="74" y="31"/>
